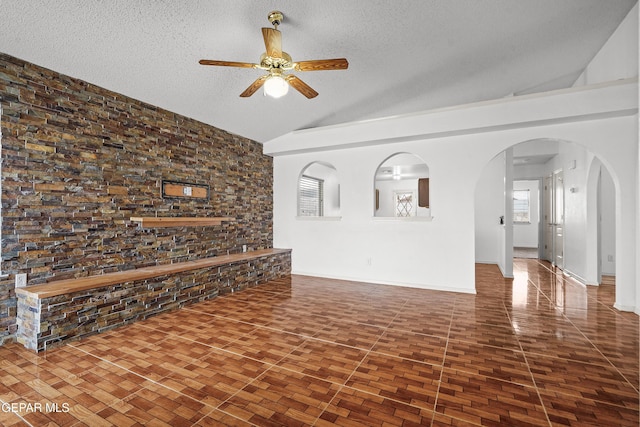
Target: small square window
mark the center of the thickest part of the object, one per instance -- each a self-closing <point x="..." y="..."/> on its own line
<point x="521" y="206"/>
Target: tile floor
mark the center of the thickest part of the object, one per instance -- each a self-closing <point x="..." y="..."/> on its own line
<point x="538" y="350"/>
<point x="525" y="252"/>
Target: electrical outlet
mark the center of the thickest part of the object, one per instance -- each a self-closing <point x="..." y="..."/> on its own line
<point x="244" y="248"/>
<point x="369" y="261"/>
<point x="21" y="280"/>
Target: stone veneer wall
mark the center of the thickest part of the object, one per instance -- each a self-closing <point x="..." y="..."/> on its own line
<point x="50" y="321"/>
<point x="79" y="160"/>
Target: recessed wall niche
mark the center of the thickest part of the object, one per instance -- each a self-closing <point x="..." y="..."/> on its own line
<point x="318" y="191"/>
<point x="401" y="187"/>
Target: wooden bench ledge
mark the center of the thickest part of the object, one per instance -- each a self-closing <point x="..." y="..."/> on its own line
<point x="61" y="287"/>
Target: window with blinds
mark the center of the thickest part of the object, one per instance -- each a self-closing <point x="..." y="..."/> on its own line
<point x="521" y="206"/>
<point x="310" y="196"/>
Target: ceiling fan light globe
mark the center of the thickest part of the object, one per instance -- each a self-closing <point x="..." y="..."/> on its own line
<point x="276" y="87"/>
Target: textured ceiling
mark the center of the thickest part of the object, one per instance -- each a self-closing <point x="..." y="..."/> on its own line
<point x="404" y="55"/>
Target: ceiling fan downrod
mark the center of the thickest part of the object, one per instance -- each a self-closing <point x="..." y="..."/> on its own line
<point x="275" y="18"/>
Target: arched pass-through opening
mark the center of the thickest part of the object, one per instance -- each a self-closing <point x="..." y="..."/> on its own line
<point x="318" y="191"/>
<point x="577" y="208"/>
<point x="402" y="187"/>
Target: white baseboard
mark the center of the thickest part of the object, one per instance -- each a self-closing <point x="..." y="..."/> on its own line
<point x="631" y="308"/>
<point x="575" y="276"/>
<point x="384" y="282"/>
<point x="506" y="276"/>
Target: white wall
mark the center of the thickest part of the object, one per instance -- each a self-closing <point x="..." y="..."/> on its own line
<point x="618" y="58"/>
<point x="457" y="144"/>
<point x="525" y="172"/>
<point x="414" y="251"/>
<point x="607" y="223"/>
<point x="580" y="216"/>
<point x="526" y="235"/>
<point x="489" y="207"/>
<point x="439" y="254"/>
<point x="637" y="222"/>
<point x="507" y="202"/>
<point x="573" y="160"/>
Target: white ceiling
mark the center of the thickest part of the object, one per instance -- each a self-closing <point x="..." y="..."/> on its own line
<point x="404" y="55"/>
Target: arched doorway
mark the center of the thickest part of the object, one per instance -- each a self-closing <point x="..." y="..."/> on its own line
<point x="576" y="208"/>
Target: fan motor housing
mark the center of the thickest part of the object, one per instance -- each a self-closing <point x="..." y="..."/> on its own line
<point x="268" y="62"/>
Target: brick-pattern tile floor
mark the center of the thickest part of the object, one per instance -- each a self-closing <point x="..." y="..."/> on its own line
<point x="538" y="350"/>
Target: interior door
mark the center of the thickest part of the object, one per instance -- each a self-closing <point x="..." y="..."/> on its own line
<point x="558" y="219"/>
<point x="547" y="220"/>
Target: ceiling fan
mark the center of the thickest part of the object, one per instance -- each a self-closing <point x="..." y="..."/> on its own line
<point x="277" y="63"/>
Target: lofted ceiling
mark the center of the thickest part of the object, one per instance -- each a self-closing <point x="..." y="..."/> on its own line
<point x="404" y="55"/>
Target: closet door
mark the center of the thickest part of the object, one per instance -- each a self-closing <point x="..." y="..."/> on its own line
<point x="547" y="221"/>
<point x="558" y="219"/>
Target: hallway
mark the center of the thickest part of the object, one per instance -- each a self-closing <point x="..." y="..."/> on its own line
<point x="536" y="350"/>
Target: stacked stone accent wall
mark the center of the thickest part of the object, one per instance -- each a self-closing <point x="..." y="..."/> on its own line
<point x="78" y="161"/>
<point x="50" y="321"/>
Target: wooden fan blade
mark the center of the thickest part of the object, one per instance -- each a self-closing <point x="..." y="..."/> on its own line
<point x="301" y="86"/>
<point x="273" y="42"/>
<point x="227" y="63"/>
<point x="322" y="64"/>
<point x="254" y="87"/>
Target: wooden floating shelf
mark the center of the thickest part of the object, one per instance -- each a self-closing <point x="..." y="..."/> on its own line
<point x="154" y="222"/>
